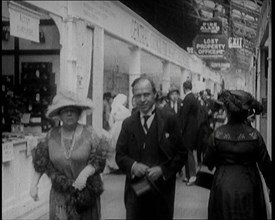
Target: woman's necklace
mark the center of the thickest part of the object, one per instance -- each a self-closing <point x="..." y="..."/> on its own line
<point x="67" y="153"/>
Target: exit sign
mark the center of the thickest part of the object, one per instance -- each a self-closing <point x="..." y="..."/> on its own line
<point x="235" y="42"/>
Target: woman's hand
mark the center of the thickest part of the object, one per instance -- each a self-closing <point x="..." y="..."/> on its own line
<point x="81" y="180"/>
<point x="34" y="193"/>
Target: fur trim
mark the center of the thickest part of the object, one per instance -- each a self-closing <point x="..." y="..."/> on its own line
<point x="86" y="198"/>
<point x="99" y="153"/>
<point x="77" y="201"/>
<point x="40" y="157"/>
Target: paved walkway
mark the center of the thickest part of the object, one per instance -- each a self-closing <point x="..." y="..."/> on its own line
<point x="190" y="201"/>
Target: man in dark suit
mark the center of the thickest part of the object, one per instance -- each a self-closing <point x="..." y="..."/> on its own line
<point x="174" y="101"/>
<point x="150" y="145"/>
<point x="189" y="128"/>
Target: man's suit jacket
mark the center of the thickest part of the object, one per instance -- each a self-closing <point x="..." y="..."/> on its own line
<point x="169" y="108"/>
<point x="189" y="120"/>
<point x="129" y="146"/>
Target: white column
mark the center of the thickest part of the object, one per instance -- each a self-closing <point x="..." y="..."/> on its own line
<point x="134" y="69"/>
<point x="183" y="77"/>
<point x="258" y="86"/>
<point x="269" y="93"/>
<point x="68" y="78"/>
<point x="166" y="77"/>
<point x="68" y="56"/>
<point x="98" y="68"/>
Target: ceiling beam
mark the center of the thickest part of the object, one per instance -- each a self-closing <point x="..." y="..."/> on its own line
<point x="244" y="10"/>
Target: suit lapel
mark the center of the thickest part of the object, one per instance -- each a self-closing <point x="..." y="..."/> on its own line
<point x="160" y="125"/>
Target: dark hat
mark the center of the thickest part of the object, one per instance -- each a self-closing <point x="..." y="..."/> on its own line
<point x="236" y="100"/>
<point x="187" y="84"/>
<point x="208" y="91"/>
<point x="173" y="88"/>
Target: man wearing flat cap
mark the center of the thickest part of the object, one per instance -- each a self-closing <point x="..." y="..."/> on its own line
<point x="174" y="102"/>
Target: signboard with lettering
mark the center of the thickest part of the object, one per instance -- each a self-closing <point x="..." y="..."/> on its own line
<point x="218" y="65"/>
<point x="7" y="152"/>
<point x="235" y="42"/>
<point x="23" y="22"/>
<point x="210" y="46"/>
<point x="213" y="26"/>
<point x="190" y="50"/>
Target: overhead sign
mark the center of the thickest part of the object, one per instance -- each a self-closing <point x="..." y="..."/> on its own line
<point x="190" y="50"/>
<point x="218" y="65"/>
<point x="210" y="46"/>
<point x="213" y="26"/>
<point x="24" y="23"/>
<point x="235" y="42"/>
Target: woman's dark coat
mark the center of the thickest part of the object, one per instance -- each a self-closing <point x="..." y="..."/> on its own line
<point x="237" y="151"/>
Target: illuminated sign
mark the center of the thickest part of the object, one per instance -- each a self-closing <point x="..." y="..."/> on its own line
<point x="219" y="65"/>
<point x="235" y="42"/>
<point x="213" y="26"/>
<point x="210" y="46"/>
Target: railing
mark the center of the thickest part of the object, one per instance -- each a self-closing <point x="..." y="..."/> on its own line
<point x="17" y="174"/>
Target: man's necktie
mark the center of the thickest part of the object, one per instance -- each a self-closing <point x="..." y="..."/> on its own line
<point x="145" y="122"/>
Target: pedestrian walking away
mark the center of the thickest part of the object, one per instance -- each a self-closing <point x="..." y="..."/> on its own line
<point x="189" y="129"/>
<point x="238" y="152"/>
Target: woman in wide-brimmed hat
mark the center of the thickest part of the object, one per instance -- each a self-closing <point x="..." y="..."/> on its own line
<point x="237" y="150"/>
<point x="73" y="156"/>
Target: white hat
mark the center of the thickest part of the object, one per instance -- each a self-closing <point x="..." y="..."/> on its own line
<point x="66" y="98"/>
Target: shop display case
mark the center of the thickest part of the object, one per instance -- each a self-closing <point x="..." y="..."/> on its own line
<point x="37" y="88"/>
<point x="6" y="96"/>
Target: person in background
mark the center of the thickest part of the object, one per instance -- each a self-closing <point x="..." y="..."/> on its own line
<point x="238" y="152"/>
<point x="73" y="156"/>
<point x="174" y="101"/>
<point x="134" y="105"/>
<point x="189" y="128"/>
<point x="107" y="101"/>
<point x="210" y="105"/>
<point x="219" y="116"/>
<point x="256" y="110"/>
<point x="118" y="113"/>
<point x="204" y="127"/>
<point x="150" y="146"/>
<point x="160" y="99"/>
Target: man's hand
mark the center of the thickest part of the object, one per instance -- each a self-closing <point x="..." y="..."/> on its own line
<point x="139" y="169"/>
<point x="154" y="173"/>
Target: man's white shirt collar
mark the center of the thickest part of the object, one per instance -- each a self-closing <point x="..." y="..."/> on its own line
<point x="188" y="92"/>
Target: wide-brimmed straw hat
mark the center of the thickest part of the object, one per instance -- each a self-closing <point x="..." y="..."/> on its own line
<point x="65" y="98"/>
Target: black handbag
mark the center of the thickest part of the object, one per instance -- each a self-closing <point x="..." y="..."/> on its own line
<point x="144" y="185"/>
<point x="204" y="179"/>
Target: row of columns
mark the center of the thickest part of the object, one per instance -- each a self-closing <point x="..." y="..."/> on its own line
<point x="71" y="59"/>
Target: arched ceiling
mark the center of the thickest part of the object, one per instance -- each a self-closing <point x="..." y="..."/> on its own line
<point x="179" y="20"/>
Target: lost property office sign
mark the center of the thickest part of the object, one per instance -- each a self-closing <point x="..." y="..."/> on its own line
<point x="206" y="46"/>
